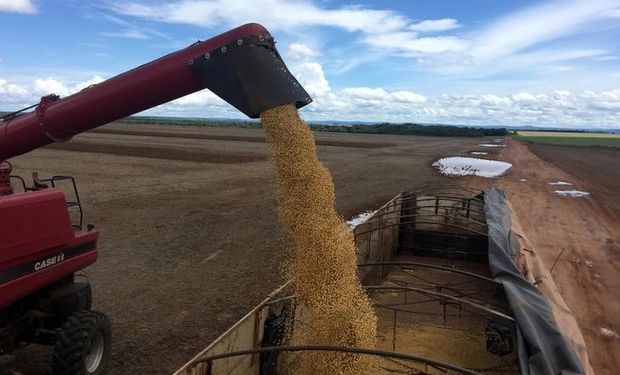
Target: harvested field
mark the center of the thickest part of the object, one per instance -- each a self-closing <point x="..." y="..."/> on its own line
<point x="196" y="133"/>
<point x="596" y="167"/>
<point x="188" y="247"/>
<point x="571" y="139"/>
<point x="157" y="152"/>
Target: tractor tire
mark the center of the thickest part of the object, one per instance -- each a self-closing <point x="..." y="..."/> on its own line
<point x="84" y="345"/>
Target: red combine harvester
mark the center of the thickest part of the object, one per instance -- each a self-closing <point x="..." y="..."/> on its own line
<point x="41" y="249"/>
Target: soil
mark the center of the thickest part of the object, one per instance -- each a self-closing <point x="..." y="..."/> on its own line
<point x="595" y="166"/>
<point x="188" y="247"/>
<point x="577" y="238"/>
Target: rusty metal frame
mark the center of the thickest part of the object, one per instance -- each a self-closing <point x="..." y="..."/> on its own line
<point x="458" y="217"/>
<point x="464" y="189"/>
<point x="426" y="222"/>
<point x="444" y="367"/>
<point x="441" y="297"/>
<point x="434" y="198"/>
<point x="457" y="289"/>
<point x="434" y="266"/>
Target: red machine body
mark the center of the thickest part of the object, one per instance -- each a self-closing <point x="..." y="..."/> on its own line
<point x="39" y="245"/>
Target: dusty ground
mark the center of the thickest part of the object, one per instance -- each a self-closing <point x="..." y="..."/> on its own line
<point x="187" y="246"/>
<point x="577" y="238"/>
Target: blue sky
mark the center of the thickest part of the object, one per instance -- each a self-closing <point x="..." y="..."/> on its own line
<point x="551" y="63"/>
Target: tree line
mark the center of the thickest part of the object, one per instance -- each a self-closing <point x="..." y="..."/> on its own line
<point x="380" y="128"/>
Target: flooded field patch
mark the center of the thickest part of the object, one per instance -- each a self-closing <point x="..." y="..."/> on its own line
<point x="572" y="193"/>
<point x="359" y="219"/>
<point x="491" y="145"/>
<point x="462" y="166"/>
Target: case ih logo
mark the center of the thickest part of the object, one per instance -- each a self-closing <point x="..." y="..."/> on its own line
<point x="49" y="262"/>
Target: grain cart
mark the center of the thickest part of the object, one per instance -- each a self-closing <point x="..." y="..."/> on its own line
<point x="457" y="289"/>
<point x="43" y="246"/>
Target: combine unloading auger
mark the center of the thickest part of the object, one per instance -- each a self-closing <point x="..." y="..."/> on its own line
<point x="241" y="66"/>
<point x="41" y="249"/>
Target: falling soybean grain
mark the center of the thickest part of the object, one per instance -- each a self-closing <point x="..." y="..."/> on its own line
<point x="335" y="309"/>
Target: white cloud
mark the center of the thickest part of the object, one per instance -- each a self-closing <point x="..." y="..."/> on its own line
<point x="404" y="96"/>
<point x="13" y="95"/>
<point x="383" y="29"/>
<point x="523" y="97"/>
<point x="275" y="14"/>
<point x="82" y="85"/>
<point x="389" y="30"/>
<point x="379" y="97"/>
<point x="312" y="78"/>
<point x="408" y="42"/>
<point x="614" y="13"/>
<point x="42" y="87"/>
<point x="47" y="86"/>
<point x="537" y="24"/>
<point x="129" y="30"/>
<point x="299" y="51"/>
<point x="129" y="34"/>
<point x="557" y="108"/>
<point x="508" y="44"/>
<point x="435" y="25"/>
<point x="17" y="6"/>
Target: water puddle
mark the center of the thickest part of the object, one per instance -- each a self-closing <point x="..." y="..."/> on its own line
<point x="572" y="193"/>
<point x="522" y="179"/>
<point x="561" y="183"/>
<point x="491" y="145"/>
<point x="461" y="166"/>
<point x="479" y="153"/>
<point x="359" y="219"/>
<point x="608" y="332"/>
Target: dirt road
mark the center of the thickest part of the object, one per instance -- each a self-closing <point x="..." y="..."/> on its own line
<point x="577" y="238"/>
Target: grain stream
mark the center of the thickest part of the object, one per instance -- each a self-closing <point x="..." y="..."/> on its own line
<point x="333" y="309"/>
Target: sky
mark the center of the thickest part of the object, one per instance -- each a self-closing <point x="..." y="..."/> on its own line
<point x="475" y="62"/>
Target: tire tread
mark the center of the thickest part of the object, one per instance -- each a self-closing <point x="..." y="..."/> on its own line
<point x="69" y="349"/>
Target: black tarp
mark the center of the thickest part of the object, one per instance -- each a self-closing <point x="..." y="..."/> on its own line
<point x="542" y="347"/>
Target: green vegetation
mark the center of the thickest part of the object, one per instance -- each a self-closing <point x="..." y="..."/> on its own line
<point x="413" y="129"/>
<point x="571" y="139"/>
<point x="383" y="128"/>
<point x="190" y="122"/>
